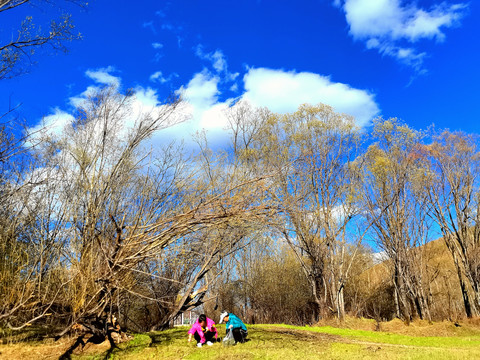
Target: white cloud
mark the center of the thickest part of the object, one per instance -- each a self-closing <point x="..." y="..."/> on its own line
<point x="77" y="101"/>
<point x="386" y="25"/>
<point x="216" y="58"/>
<point x="157" y="45"/>
<point x="141" y="103"/>
<point x="283" y="91"/>
<point x="202" y="91"/>
<point x="158" y="77"/>
<point x="103" y="76"/>
<point x="218" y="62"/>
<point x="388" y="18"/>
<point x="51" y="126"/>
<point x="406" y="55"/>
<point x="215" y="118"/>
<point x="201" y="95"/>
<point x="280" y="91"/>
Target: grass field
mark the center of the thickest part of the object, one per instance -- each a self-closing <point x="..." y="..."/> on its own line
<point x="277" y="342"/>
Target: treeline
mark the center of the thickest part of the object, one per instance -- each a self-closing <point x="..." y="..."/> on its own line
<point x="338" y="189"/>
<point x="276" y="226"/>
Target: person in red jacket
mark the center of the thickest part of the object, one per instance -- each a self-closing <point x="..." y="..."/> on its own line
<point x="204" y="331"/>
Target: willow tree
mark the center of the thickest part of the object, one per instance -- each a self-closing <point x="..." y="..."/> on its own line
<point x="454" y="203"/>
<point x="72" y="198"/>
<point x="28" y="247"/>
<point x="396" y="205"/>
<point x="312" y="153"/>
<point x="137" y="227"/>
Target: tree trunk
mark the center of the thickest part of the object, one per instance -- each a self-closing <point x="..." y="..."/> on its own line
<point x="340" y="304"/>
<point x="476" y="291"/>
<point x="463" y="287"/>
<point x="403" y="303"/>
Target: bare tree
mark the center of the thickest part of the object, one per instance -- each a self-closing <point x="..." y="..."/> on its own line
<point x="27" y="239"/>
<point x="116" y="229"/>
<point x="454" y="203"/>
<point x="27" y="243"/>
<point x="396" y="206"/>
<point x="276" y="287"/>
<point x="17" y="52"/>
<point x="356" y="287"/>
<point x="129" y="222"/>
<point x="311" y="153"/>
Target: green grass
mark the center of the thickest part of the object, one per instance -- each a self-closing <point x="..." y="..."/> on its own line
<point x="282" y="342"/>
<point x="295" y="342"/>
<point x="264" y="344"/>
<point x="391" y="338"/>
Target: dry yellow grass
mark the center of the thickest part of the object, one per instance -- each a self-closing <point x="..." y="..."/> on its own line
<point x="415" y="328"/>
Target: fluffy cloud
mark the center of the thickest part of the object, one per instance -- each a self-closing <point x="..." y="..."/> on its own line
<point x="51" y="126"/>
<point x="202" y="91"/>
<point x="103" y="76"/>
<point x="388" y="18"/>
<point x="388" y="25"/>
<point x="218" y="62"/>
<point x="216" y="58"/>
<point x="201" y="95"/>
<point x="142" y="102"/>
<point x="283" y="91"/>
<point x="280" y="91"/>
<point x="158" y="77"/>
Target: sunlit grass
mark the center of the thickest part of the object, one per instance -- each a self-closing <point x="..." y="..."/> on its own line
<point x="391" y="338"/>
<point x="274" y="342"/>
<point x="295" y="342"/>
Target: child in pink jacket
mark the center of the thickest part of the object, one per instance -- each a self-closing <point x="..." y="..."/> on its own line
<point x="204" y="331"/>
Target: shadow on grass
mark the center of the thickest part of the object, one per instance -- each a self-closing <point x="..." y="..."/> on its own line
<point x="273" y="333"/>
<point x="167" y="337"/>
<point x="35" y="333"/>
<point x="143" y="341"/>
<point x="81" y="341"/>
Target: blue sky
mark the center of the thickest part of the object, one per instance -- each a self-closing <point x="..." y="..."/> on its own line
<point x="415" y="60"/>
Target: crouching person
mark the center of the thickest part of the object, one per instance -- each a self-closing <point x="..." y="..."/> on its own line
<point x="235" y="325"/>
<point x="204" y="331"/>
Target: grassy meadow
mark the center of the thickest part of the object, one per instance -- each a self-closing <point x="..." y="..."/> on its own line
<point x="395" y="340"/>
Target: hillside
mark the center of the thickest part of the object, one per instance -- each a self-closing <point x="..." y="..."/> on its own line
<point x="440" y="276"/>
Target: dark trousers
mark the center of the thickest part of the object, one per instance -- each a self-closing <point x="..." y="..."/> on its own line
<point x="209" y="336"/>
<point x="239" y="334"/>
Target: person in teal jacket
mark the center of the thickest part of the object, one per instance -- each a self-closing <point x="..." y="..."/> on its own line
<point x="235" y="325"/>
